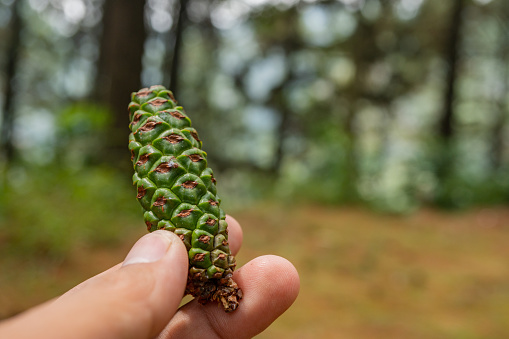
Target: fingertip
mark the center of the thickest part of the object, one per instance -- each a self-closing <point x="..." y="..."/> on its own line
<point x="151" y="281"/>
<point x="288" y="274"/>
<point x="176" y="243"/>
<point x="292" y="277"/>
<point x="235" y="234"/>
<point x="270" y="285"/>
<point x="272" y="276"/>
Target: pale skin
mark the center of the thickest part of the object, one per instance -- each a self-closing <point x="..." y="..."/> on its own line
<point x="140" y="297"/>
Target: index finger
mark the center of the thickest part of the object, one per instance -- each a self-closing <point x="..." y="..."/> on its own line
<point x="235" y="234"/>
<point x="270" y="285"/>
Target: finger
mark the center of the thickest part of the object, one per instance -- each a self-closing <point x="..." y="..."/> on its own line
<point x="135" y="301"/>
<point x="270" y="285"/>
<point x="90" y="280"/>
<point x="235" y="234"/>
<point x="235" y="237"/>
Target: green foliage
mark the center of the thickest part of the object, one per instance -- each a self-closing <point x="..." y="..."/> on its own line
<point x="83" y="118"/>
<point x="457" y="192"/>
<point x="47" y="211"/>
<point x="324" y="176"/>
<point x="82" y="130"/>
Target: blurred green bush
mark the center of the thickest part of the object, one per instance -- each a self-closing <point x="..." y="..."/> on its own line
<point x="46" y="210"/>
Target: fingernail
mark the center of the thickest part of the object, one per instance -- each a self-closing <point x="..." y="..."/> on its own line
<point x="149" y="248"/>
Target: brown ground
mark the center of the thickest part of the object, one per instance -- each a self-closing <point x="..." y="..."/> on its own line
<point x="364" y="275"/>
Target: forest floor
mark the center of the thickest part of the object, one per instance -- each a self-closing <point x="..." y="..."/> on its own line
<point x="430" y="274"/>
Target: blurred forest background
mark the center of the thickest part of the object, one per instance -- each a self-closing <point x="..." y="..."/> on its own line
<point x="372" y="130"/>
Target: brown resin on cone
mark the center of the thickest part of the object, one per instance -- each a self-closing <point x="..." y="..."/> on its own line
<point x="158" y="102"/>
<point x="176" y="115"/>
<point x="174" y="138"/>
<point x="195" y="136"/>
<point x="165" y="167"/>
<point x="141" y="192"/>
<point x="195" y="157"/>
<point x="204" y="239"/>
<point x="189" y="184"/>
<point x="149" y="126"/>
<point x="143" y="159"/>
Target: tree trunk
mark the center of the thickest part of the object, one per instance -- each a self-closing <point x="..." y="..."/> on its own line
<point x="497" y="148"/>
<point x="277" y="101"/>
<point x="12" y="62"/>
<point x="452" y="55"/>
<point x="119" y="69"/>
<point x="351" y="175"/>
<point x="177" y="48"/>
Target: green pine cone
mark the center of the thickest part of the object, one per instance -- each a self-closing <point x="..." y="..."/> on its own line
<point x="177" y="190"/>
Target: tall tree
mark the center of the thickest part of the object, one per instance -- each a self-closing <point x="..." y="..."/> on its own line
<point x="6" y="137"/>
<point x="498" y="141"/>
<point x="452" y="56"/>
<point x="177" y="48"/>
<point x="120" y="66"/>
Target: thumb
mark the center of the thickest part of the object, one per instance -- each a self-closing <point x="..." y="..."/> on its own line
<point x="135" y="301"/>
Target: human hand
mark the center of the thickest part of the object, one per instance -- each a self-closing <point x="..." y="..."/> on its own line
<point x="139" y="298"/>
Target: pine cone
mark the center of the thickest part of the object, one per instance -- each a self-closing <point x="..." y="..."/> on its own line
<point x="177" y="190"/>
